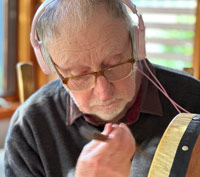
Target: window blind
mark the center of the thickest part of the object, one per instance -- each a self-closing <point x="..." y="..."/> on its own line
<point x="169" y="31"/>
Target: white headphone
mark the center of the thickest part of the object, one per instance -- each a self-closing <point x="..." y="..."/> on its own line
<point x="137" y="33"/>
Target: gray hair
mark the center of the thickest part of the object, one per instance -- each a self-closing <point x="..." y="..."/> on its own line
<point x="78" y="14"/>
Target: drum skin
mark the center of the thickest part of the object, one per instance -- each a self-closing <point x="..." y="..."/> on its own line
<point x="178" y="153"/>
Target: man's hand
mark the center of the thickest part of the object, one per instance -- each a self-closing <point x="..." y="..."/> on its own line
<point x="109" y="158"/>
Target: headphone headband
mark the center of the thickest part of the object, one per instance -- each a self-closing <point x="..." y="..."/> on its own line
<point x="34" y="38"/>
<point x="137" y="33"/>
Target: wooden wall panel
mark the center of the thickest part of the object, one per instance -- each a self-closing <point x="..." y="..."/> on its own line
<point x="196" y="62"/>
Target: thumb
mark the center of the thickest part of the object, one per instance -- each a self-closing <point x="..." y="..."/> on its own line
<point x="107" y="129"/>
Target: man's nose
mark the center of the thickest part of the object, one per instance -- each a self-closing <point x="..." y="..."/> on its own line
<point x="103" y="89"/>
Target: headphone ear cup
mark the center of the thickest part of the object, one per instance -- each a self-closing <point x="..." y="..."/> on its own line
<point x="40" y="58"/>
<point x="35" y="42"/>
<point x="141" y="43"/>
<point x="138" y="42"/>
<point x="134" y="42"/>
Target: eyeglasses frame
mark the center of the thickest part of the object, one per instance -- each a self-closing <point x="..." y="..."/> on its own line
<point x="96" y="74"/>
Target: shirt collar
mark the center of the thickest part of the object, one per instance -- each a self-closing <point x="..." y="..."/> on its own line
<point x="150" y="99"/>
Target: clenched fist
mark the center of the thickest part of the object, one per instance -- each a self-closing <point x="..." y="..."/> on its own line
<point x="109" y="158"/>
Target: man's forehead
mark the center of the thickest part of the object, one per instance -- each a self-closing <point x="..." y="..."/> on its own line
<point x="65" y="47"/>
<point x="102" y="30"/>
<point x="89" y="40"/>
<point x="73" y="53"/>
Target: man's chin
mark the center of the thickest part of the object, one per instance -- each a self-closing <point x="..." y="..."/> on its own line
<point x="112" y="117"/>
<point x="106" y="117"/>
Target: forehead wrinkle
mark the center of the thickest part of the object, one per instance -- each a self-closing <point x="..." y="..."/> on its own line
<point x="87" y="39"/>
<point x="108" y="50"/>
<point x="63" y="55"/>
<point x="68" y="60"/>
<point x="63" y="48"/>
<point x="111" y="33"/>
<point x="83" y="45"/>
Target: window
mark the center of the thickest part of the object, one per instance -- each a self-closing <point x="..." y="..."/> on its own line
<point x="8" y="36"/>
<point x="169" y="31"/>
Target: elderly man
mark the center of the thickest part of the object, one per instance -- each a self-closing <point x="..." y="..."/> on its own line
<point x="90" y="45"/>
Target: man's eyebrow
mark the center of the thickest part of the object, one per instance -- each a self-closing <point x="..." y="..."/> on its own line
<point x="62" y="69"/>
<point x="64" y="61"/>
<point x="112" y="49"/>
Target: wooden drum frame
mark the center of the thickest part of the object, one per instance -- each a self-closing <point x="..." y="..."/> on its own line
<point x="178" y="153"/>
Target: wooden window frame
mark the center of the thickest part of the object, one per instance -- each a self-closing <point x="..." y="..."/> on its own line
<point x="25" y="53"/>
<point x="10" y="47"/>
<point x="159" y="25"/>
<point x="196" y="56"/>
<point x="10" y="58"/>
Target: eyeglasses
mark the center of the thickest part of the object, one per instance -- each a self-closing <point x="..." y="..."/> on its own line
<point x="88" y="81"/>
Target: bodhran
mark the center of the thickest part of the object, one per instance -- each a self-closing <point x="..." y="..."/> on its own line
<point x="178" y="153"/>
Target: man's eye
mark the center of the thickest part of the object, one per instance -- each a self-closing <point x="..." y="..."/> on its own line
<point x="79" y="72"/>
<point x="83" y="78"/>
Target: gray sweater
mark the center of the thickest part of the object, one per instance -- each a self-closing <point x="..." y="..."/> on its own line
<point x="39" y="144"/>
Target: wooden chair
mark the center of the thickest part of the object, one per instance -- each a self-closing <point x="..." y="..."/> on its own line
<point x="25" y="79"/>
